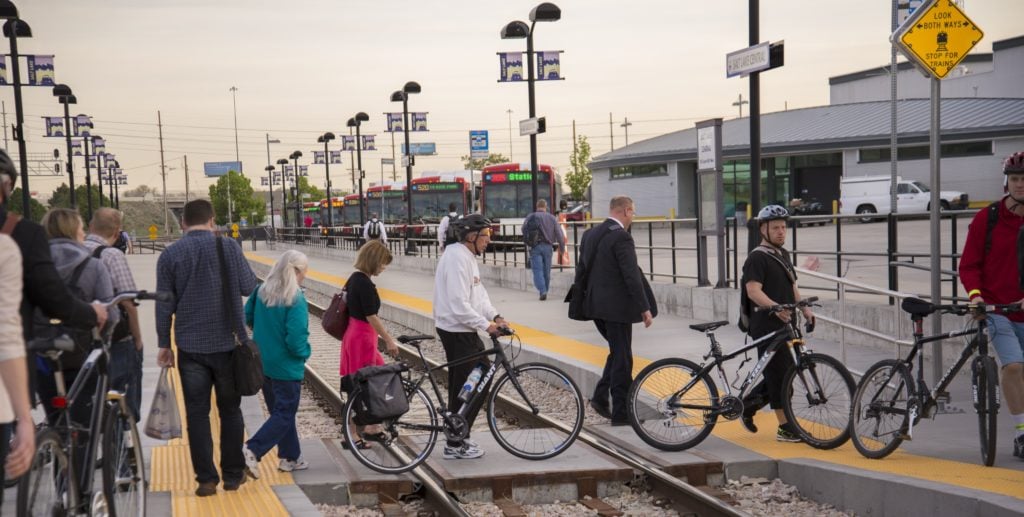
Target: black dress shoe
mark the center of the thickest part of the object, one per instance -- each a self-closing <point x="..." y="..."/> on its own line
<point x="544" y="297"/>
<point x="233" y="485"/>
<point x="602" y="410"/>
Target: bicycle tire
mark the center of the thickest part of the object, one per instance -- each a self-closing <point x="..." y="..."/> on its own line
<point x="880" y="415"/>
<point x="41" y="489"/>
<point x="822" y="426"/>
<point x="124" y="468"/>
<point x="525" y="437"/>
<point x="672" y="429"/>
<point x="407" y="440"/>
<point x="985" y="380"/>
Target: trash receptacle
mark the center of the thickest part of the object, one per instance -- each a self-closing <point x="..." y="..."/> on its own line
<point x="741" y="214"/>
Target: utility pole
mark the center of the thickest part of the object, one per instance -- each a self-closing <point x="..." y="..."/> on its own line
<point x="740" y="102"/>
<point x="611" y="130"/>
<point x="509" y="111"/>
<point x="185" y="159"/>
<point x="625" y="124"/>
<point x="163" y="171"/>
<point x="574" y="146"/>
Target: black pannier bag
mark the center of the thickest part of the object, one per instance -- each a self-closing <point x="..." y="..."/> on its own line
<point x="381" y="393"/>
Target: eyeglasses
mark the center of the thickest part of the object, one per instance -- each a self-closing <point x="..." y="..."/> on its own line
<point x="486" y="232"/>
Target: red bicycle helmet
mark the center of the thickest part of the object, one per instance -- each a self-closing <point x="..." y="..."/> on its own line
<point x="1014" y="164"/>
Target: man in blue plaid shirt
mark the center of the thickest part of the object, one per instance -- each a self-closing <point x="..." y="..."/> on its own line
<point x="190" y="268"/>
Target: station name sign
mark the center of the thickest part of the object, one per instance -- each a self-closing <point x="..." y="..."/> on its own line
<point x="759" y="57"/>
<point x="511" y="177"/>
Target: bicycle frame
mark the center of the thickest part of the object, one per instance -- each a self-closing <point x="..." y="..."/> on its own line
<point x="980" y="344"/>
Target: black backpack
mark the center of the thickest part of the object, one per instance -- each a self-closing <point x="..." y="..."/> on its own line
<point x="45" y="328"/>
<point x="123" y="328"/>
<point x="122" y="242"/>
<point x="746" y="306"/>
<point x="374" y="230"/>
<point x="381" y="393"/>
<point x="531" y="231"/>
<point x="451" y="233"/>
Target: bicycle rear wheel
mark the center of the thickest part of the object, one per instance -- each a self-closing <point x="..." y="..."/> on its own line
<point x="986" y="382"/>
<point x="403" y="442"/>
<point x="665" y="418"/>
<point x="124" y="468"/>
<point x="880" y="415"/>
<point x="41" y="490"/>
<point x="526" y="433"/>
<point x="819" y="394"/>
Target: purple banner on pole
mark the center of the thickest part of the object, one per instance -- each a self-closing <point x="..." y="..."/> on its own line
<point x="335" y="157"/>
<point x="369" y="143"/>
<point x="99" y="146"/>
<point x="348" y="143"/>
<point x="40" y="71"/>
<point x="394" y="122"/>
<point x="318" y="157"/>
<point x="92" y="161"/>
<point x="511" y="64"/>
<point x="54" y="126"/>
<point x="76" y="148"/>
<point x="549" y="65"/>
<point x="303" y="170"/>
<point x="83" y="125"/>
<point x="419" y="121"/>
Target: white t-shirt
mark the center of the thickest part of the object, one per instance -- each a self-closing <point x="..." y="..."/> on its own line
<point x="461" y="303"/>
<point x="12" y="341"/>
<point x="442" y="228"/>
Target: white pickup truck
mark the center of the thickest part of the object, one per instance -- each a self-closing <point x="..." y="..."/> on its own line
<point x="870" y="195"/>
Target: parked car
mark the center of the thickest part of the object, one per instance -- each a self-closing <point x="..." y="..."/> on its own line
<point x="578" y="212"/>
<point x="870" y="195"/>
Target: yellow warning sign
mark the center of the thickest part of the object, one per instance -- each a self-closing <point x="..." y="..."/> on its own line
<point x="938" y="36"/>
<point x="152" y="232"/>
<point x="234" y="230"/>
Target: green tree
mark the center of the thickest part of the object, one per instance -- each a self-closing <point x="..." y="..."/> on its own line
<point x="140" y="191"/>
<point x="480" y="163"/>
<point x="61" y="198"/>
<point x="14" y="205"/>
<point x="244" y="202"/>
<point x="579" y="176"/>
<point x="315" y="194"/>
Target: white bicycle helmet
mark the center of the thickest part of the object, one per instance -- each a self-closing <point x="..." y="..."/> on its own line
<point x="772" y="213"/>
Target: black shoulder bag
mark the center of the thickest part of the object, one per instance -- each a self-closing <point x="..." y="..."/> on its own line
<point x="578" y="291"/>
<point x="245" y="359"/>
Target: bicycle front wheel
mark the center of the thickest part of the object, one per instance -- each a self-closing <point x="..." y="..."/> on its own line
<point x="402" y="443"/>
<point x="41" y="490"/>
<point x="880" y="416"/>
<point x="124" y="469"/>
<point x="986" y="381"/>
<point x="539" y="413"/>
<point x="665" y="417"/>
<point x="818" y="399"/>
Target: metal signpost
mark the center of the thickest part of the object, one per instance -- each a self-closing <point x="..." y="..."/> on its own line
<point x="710" y="196"/>
<point x="937" y="37"/>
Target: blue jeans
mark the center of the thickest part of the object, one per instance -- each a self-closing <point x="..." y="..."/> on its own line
<point x="1007" y="337"/>
<point x="282" y="399"/>
<point x="126" y="372"/>
<point x="540" y="263"/>
<point x="201" y="373"/>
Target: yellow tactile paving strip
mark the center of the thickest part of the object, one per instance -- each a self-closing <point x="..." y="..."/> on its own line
<point x="172" y="472"/>
<point x="992" y="479"/>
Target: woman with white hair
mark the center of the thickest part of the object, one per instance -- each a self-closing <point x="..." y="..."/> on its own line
<point x="278" y="315"/>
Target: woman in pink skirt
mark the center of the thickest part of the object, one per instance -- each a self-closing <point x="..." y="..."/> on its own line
<point x="359" y="344"/>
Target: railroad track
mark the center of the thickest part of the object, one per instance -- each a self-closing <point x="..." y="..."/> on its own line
<point x="683" y="497"/>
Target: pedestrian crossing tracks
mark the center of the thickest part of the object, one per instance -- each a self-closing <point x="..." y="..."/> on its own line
<point x="841" y="476"/>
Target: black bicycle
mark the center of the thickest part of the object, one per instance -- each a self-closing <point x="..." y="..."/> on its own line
<point x="60" y="479"/>
<point x="888" y="402"/>
<point x="524" y="422"/>
<point x="674" y="403"/>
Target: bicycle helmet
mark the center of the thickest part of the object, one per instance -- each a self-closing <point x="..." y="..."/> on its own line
<point x="7" y="167"/>
<point x="471" y="223"/>
<point x="772" y="213"/>
<point x="1014" y="164"/>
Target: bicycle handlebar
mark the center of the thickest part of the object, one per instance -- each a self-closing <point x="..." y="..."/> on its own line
<point x="806" y="302"/>
<point x="160" y="296"/>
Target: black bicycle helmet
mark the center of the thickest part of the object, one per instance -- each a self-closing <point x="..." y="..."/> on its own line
<point x="470" y="223"/>
<point x="7" y="167"/>
<point x="772" y="213"/>
<point x="1014" y="164"/>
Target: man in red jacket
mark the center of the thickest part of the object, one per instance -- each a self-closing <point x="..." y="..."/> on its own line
<point x="989" y="273"/>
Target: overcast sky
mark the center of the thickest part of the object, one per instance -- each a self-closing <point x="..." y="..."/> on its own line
<point x="303" y="67"/>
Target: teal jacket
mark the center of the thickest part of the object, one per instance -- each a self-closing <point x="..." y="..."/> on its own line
<point x="282" y="334"/>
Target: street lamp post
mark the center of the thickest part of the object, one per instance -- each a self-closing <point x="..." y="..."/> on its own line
<point x="403" y="97"/>
<point x="65" y="97"/>
<point x="234" y="109"/>
<point x="110" y="176"/>
<point x="545" y="12"/>
<point x="355" y="122"/>
<point x="283" y="162"/>
<point x="86" y="140"/>
<point x="270" y="182"/>
<point x="324" y="139"/>
<point x="295" y="186"/>
<point x="14" y="29"/>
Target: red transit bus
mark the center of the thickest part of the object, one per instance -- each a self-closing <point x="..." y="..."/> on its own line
<point x="335" y="205"/>
<point x="350" y="215"/>
<point x="311" y="210"/>
<point x="388" y="202"/>
<point x="506" y="191"/>
<point x="431" y="196"/>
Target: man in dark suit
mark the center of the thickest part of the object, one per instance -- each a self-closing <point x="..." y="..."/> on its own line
<point x="616" y="298"/>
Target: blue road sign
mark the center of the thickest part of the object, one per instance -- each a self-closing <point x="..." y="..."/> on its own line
<point x="216" y="169"/>
<point x="421" y="149"/>
<point x="478" y="144"/>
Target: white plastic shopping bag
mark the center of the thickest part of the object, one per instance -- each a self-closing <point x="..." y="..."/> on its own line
<point x="164" y="422"/>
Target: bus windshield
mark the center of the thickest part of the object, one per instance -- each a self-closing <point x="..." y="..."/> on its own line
<point x="433" y="206"/>
<point x="389" y="209"/>
<point x="511" y="200"/>
<point x="351" y="215"/>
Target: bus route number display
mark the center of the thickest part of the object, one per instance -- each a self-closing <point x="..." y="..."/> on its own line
<point x="428" y="187"/>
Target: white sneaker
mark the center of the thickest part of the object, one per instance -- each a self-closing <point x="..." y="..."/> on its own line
<point x="252" y="465"/>
<point x="471" y="443"/>
<point x="290" y="465"/>
<point x="464" y="452"/>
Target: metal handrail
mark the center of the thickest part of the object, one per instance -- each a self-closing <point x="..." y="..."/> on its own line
<point x="841" y="322"/>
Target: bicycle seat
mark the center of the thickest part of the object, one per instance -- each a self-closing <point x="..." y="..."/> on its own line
<point x="917" y="307"/>
<point x="62" y="343"/>
<point x="705" y="327"/>
<point x="412" y="339"/>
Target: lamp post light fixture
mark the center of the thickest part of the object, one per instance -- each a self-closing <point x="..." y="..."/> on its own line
<point x="324" y="139"/>
<point x="356" y="122"/>
<point x="545" y="12"/>
<point x="14" y="29"/>
<point x="403" y="97"/>
<point x="283" y="162"/>
<point x="295" y="189"/>
<point x="65" y="97"/>
<point x="270" y="182"/>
